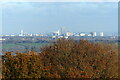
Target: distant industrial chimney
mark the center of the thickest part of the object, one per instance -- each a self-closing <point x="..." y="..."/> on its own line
<point x="61" y="31"/>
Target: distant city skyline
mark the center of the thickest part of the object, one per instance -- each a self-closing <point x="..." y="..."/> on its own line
<point x="40" y="17"/>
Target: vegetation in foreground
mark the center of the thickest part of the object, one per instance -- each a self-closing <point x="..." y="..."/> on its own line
<point x="63" y="59"/>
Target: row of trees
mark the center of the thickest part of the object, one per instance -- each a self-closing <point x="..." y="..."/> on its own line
<point x="63" y="59"/>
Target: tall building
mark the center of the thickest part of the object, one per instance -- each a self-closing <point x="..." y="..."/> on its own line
<point x="58" y="32"/>
<point x="21" y="33"/>
<point x="101" y="34"/>
<point x="94" y="34"/>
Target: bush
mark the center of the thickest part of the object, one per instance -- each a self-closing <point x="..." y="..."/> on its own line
<point x="64" y="59"/>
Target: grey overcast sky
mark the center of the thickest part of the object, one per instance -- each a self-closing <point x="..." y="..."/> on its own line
<point x="41" y="17"/>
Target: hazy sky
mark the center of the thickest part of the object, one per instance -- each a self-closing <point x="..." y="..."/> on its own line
<point x="40" y="17"/>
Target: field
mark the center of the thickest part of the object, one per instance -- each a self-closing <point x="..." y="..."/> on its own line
<point x="12" y="45"/>
<point x="22" y="47"/>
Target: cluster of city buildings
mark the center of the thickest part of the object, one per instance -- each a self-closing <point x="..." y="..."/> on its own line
<point x="61" y="34"/>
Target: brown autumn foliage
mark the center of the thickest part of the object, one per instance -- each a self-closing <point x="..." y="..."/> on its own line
<point x="63" y="59"/>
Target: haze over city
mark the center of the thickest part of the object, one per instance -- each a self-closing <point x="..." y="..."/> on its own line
<point x="42" y="17"/>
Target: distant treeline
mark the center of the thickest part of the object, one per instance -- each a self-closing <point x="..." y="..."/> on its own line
<point x="27" y="40"/>
<point x="63" y="59"/>
<point x="44" y="39"/>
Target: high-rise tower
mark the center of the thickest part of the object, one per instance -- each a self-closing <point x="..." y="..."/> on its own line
<point x="101" y="34"/>
<point x="21" y="33"/>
